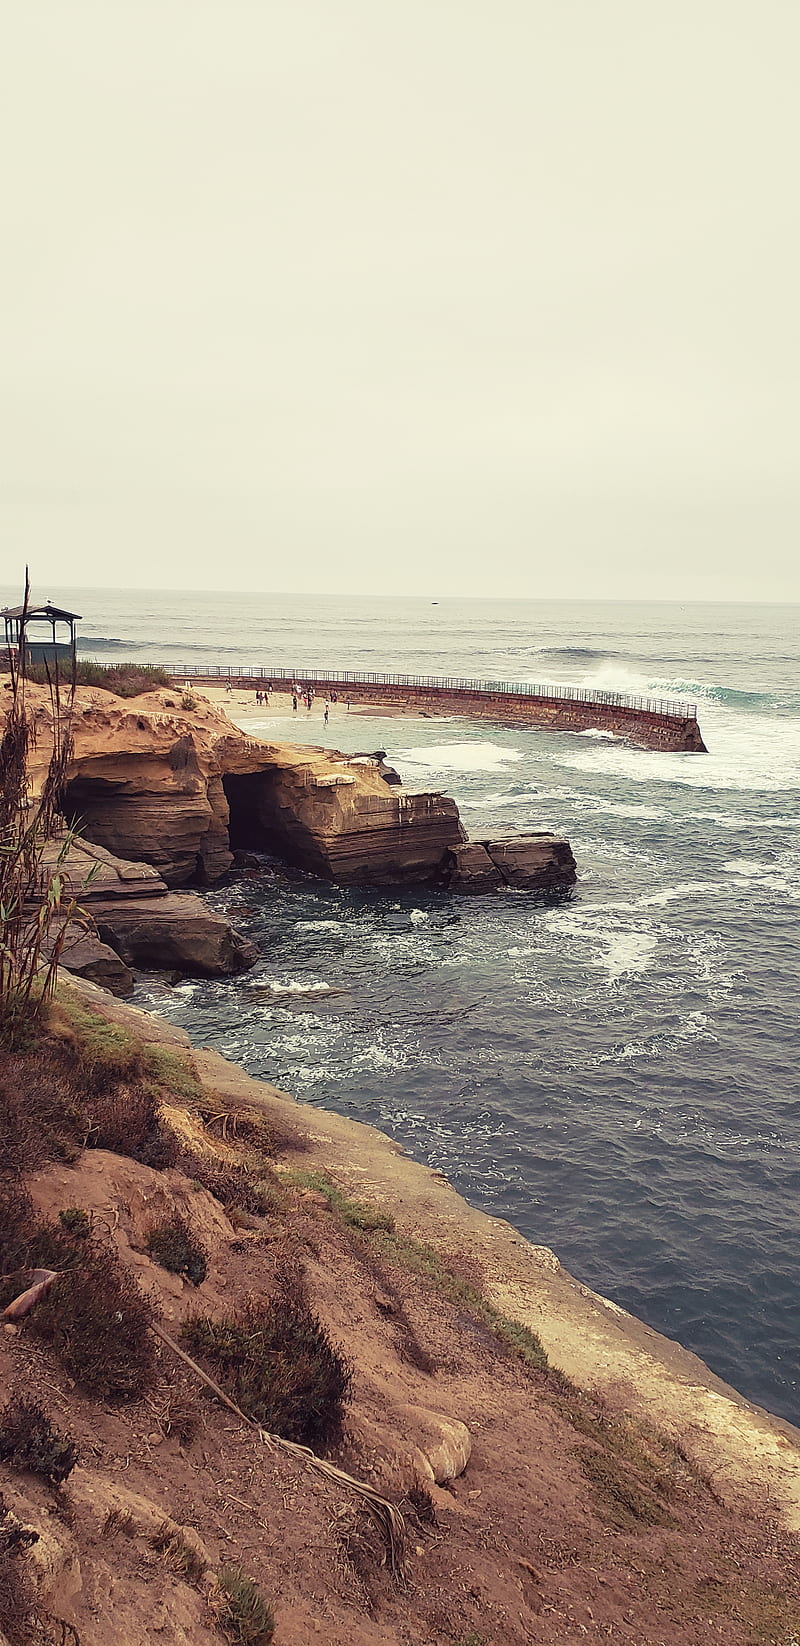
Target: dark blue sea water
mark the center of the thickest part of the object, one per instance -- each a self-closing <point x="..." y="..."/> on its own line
<point x="617" y="1074"/>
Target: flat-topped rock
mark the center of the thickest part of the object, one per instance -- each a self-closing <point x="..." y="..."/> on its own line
<point x="525" y="862"/>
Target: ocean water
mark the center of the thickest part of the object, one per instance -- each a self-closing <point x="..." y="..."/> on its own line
<point x="616" y="1074"/>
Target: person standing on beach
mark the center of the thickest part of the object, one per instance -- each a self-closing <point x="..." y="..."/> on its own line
<point x="294" y="702"/>
<point x="325" y="715"/>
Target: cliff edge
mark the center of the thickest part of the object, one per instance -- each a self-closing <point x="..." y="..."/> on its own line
<point x="563" y="1473"/>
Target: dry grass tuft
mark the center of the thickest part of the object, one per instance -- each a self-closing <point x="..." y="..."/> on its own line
<point x="179" y="1555"/>
<point x="245" y="1617"/>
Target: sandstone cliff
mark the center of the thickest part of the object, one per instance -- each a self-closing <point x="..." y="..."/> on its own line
<point x="177" y="787"/>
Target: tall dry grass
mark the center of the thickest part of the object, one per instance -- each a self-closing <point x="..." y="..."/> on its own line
<point x="35" y="909"/>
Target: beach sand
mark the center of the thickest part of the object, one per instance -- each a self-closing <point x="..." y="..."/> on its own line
<point x="241" y="706"/>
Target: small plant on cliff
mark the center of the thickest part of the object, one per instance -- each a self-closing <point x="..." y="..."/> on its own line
<point x="35" y="910"/>
<point x="244" y="1615"/>
<point x="28" y="1440"/>
<point x="276" y="1361"/>
<point x="173" y="1245"/>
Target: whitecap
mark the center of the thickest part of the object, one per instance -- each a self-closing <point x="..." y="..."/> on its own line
<point x="295" y="987"/>
<point x="460" y="757"/>
<point x="418" y="917"/>
<point x="318" y="925"/>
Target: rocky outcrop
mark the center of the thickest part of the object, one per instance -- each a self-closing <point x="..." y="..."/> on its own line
<point x="181" y="789"/>
<point x="526" y="862"/>
<point x="129" y="918"/>
<point x="86" y="955"/>
<point x="174" y="932"/>
<point x="339" y="819"/>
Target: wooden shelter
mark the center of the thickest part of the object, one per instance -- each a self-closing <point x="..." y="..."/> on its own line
<point x="28" y="640"/>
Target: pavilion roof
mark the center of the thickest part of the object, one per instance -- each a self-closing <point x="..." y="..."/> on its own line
<point x="48" y="612"/>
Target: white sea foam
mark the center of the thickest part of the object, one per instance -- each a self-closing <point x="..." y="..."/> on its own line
<point x="295" y="987"/>
<point x="318" y="926"/>
<point x="460" y="757"/>
<point x="418" y="917"/>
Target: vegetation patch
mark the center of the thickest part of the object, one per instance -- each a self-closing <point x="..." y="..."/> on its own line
<point x="123" y="679"/>
<point x="28" y="1440"/>
<point x="127" y="1120"/>
<point x="245" y="1617"/>
<point x="355" y="1214"/>
<point x="76" y="1221"/>
<point x="276" y="1361"/>
<point x="176" y="1248"/>
<point x="619" y="1493"/>
<point x="17" y="1618"/>
<point x="419" y="1258"/>
<point x="94" y="1317"/>
<point x="236" y="1186"/>
<point x="97" y="1322"/>
<point x="41" y="1116"/>
<point x="174" y="1071"/>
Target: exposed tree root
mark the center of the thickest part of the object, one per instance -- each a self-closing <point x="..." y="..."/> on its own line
<point x="387" y="1517"/>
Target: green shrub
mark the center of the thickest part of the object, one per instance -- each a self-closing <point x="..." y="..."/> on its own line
<point x="275" y="1359"/>
<point x="76" y="1222"/>
<point x="173" y="1245"/>
<point x="244" y="1617"/>
<point x="29" y="1441"/>
<point x="123" y="679"/>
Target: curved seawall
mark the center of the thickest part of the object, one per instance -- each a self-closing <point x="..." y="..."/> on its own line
<point x="650" y="723"/>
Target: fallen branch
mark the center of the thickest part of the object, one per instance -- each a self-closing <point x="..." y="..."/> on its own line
<point x="22" y="1305"/>
<point x="387" y="1517"/>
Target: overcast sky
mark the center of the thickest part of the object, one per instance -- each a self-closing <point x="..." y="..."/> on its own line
<point x="414" y="296"/>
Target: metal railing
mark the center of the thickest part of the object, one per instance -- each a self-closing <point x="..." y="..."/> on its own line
<point x="672" y="707"/>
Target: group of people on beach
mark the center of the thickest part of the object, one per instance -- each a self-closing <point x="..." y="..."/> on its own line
<point x="306" y="695"/>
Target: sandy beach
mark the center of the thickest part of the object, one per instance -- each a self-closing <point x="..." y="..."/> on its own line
<point x="241" y="706"/>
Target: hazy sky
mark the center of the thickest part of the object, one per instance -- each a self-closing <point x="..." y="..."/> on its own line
<point x="496" y="296"/>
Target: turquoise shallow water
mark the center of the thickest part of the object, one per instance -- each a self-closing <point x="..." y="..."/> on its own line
<point x="617" y="1073"/>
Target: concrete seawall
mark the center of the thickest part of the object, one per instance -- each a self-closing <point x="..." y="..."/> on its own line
<point x="670" y="727"/>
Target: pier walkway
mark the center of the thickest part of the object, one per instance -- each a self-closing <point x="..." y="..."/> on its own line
<point x="649" y="722"/>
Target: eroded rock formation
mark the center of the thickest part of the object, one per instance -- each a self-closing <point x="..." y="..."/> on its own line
<point x="131" y="919"/>
<point x="179" y="788"/>
<point x="525" y="863"/>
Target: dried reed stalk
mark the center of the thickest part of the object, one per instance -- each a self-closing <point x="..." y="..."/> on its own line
<point x="34" y="908"/>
